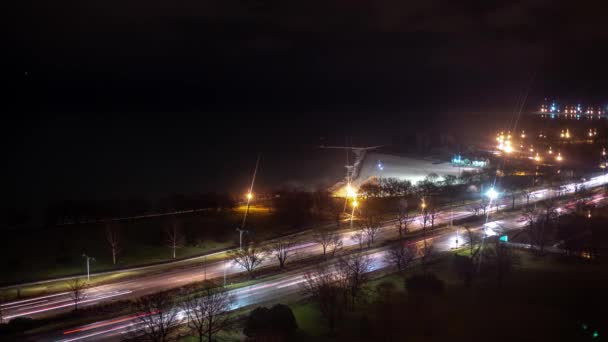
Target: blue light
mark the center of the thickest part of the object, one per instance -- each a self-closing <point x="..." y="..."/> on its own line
<point x="380" y="166"/>
<point x="504" y="238"/>
<point x="457" y="159"/>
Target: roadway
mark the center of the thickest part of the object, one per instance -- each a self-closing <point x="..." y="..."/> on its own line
<point x="286" y="284"/>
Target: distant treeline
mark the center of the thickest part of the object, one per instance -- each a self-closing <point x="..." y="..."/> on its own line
<point x="80" y="211"/>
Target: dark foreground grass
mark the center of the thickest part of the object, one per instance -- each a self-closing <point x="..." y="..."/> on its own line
<point x="543" y="299"/>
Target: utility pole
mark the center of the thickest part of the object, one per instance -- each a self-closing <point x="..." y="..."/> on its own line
<point x="250" y="193"/>
<point x="225" y="272"/>
<point x="205" y="268"/>
<point x="241" y="231"/>
<point x="88" y="259"/>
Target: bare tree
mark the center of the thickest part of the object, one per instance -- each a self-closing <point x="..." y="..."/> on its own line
<point x="371" y="228"/>
<point x="359" y="237"/>
<point x="249" y="258"/>
<point x="501" y="258"/>
<point x="321" y="284"/>
<point x="207" y="310"/>
<point x="549" y="210"/>
<point x="77" y="289"/>
<point x="402" y="218"/>
<point x="335" y="244"/>
<point x="281" y="249"/>
<point x="474" y="210"/>
<point x="174" y="236"/>
<point x="473" y="241"/>
<point x="538" y="227"/>
<point x="400" y="255"/>
<point x="158" y="317"/>
<point x="352" y="272"/>
<point x="425" y="252"/>
<point x="527" y="193"/>
<point x="484" y="205"/>
<point x="433" y="213"/>
<point x="329" y="240"/>
<point x="113" y="239"/>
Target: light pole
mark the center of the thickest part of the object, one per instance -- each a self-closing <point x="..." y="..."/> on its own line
<point x="424" y="218"/>
<point x="249" y="197"/>
<point x="88" y="259"/>
<point x="205" y="268"/>
<point x="352" y="215"/>
<point x="225" y="266"/>
<point x="241" y="231"/>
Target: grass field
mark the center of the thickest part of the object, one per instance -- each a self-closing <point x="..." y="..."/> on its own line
<point x="55" y="252"/>
<point x="543" y="299"/>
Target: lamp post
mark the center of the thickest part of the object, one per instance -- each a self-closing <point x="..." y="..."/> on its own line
<point x="88" y="259"/>
<point x="424" y="218"/>
<point x="249" y="197"/>
<point x="241" y="231"/>
<point x="225" y="266"/>
<point x="352" y="215"/>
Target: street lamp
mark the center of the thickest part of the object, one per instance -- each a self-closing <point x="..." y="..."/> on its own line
<point x="492" y="194"/>
<point x="355" y="204"/>
<point x="241" y="231"/>
<point x="88" y="259"/>
<point x="225" y="266"/>
<point x="350" y="192"/>
<point x="249" y="196"/>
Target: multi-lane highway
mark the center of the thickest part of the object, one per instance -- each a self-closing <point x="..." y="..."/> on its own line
<point x="286" y="284"/>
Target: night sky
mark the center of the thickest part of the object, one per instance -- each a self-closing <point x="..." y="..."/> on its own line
<point x="114" y="98"/>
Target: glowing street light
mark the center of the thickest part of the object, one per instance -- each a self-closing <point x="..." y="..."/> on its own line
<point x="537" y="158"/>
<point x="492" y="194"/>
<point x="603" y="151"/>
<point x="350" y="192"/>
<point x="559" y="157"/>
<point x="423" y="204"/>
<point x="249" y="196"/>
<point x="355" y="204"/>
